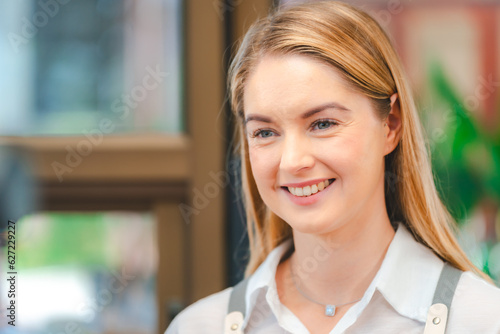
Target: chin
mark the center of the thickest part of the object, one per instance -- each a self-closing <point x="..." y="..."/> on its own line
<point x="311" y="226"/>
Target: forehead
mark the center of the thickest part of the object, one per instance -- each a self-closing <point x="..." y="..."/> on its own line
<point x="285" y="82"/>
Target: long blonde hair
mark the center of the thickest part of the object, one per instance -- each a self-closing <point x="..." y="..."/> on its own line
<point x="352" y="42"/>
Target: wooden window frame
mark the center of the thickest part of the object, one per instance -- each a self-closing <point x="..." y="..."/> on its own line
<point x="157" y="173"/>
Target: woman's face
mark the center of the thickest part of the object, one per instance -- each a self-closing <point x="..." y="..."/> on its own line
<point x="316" y="146"/>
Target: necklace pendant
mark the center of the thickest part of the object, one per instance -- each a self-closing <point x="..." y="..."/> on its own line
<point x="330" y="310"/>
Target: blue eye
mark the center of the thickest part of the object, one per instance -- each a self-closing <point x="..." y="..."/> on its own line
<point x="324" y="124"/>
<point x="263" y="133"/>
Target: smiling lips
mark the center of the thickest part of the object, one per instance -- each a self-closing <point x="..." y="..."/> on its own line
<point x="310" y="190"/>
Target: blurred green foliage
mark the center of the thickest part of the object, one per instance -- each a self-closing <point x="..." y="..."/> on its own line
<point x="65" y="239"/>
<point x="465" y="157"/>
<point x="466" y="166"/>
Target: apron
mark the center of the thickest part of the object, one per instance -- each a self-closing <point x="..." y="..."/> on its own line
<point x="437" y="316"/>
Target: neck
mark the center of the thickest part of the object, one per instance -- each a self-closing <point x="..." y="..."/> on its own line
<point x="339" y="266"/>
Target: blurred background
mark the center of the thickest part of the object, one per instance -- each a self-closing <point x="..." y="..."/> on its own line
<point x="117" y="155"/>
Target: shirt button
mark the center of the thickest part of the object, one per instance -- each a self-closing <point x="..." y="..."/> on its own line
<point x="234" y="327"/>
<point x="436" y="320"/>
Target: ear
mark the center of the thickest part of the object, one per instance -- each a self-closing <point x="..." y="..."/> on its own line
<point x="393" y="127"/>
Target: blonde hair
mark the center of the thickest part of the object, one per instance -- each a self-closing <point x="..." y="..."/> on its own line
<point x="353" y="43"/>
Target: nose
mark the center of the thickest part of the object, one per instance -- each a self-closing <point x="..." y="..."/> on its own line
<point x="296" y="155"/>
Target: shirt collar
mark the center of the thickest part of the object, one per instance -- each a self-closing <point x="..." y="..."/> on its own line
<point x="264" y="276"/>
<point x="407" y="266"/>
<point x="262" y="283"/>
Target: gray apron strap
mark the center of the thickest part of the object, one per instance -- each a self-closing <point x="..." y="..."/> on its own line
<point x="437" y="317"/>
<point x="236" y="309"/>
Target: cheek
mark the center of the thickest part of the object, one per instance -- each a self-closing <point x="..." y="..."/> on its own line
<point x="363" y="158"/>
<point x="371" y="153"/>
<point x="263" y="162"/>
<point x="355" y="157"/>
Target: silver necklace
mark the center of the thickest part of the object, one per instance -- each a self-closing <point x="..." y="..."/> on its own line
<point x="329" y="308"/>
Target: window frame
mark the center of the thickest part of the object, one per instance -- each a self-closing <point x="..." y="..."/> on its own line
<point x="159" y="172"/>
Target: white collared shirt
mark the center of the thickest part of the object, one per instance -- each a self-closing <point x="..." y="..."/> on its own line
<point x="397" y="300"/>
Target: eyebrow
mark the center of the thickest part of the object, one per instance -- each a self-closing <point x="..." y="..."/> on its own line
<point x="307" y="114"/>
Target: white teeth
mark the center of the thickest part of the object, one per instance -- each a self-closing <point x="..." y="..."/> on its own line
<point x="309" y="190"/>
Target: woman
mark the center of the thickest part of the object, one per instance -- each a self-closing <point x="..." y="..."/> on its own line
<point x="347" y="232"/>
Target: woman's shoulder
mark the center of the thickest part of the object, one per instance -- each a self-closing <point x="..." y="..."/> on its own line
<point x="204" y="316"/>
<point x="476" y="306"/>
<point x="472" y="287"/>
